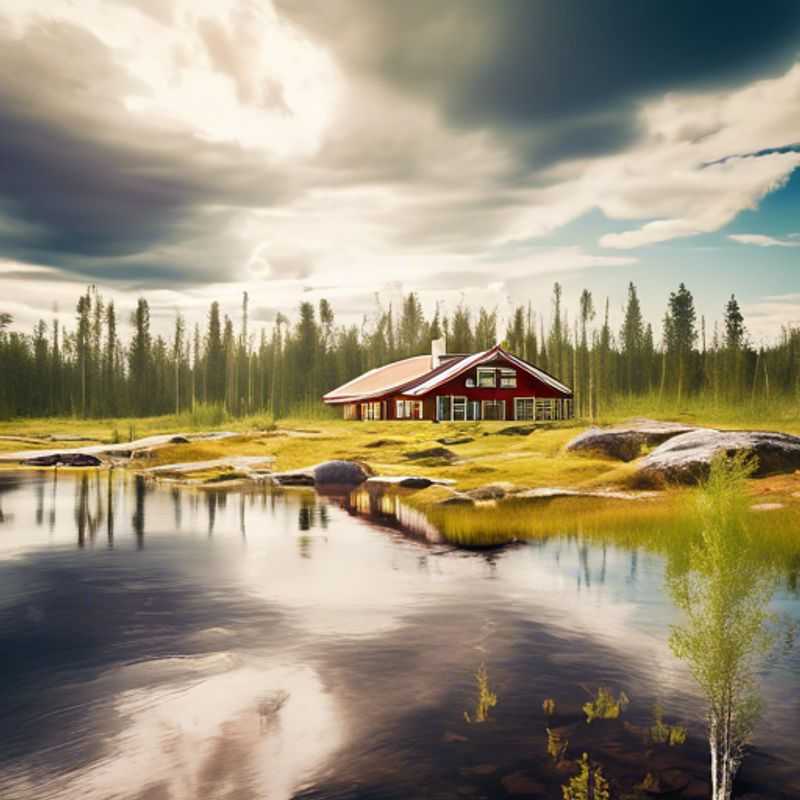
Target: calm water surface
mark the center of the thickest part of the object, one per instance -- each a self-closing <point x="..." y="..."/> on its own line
<point x="168" y="644"/>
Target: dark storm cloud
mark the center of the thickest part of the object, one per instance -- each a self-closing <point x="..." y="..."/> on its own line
<point x="548" y="67"/>
<point x="84" y="189"/>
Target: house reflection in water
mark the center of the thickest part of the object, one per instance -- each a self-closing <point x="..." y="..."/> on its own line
<point x="388" y="509"/>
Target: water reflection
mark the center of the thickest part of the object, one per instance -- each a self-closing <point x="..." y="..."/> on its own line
<point x="315" y="647"/>
<point x="138" y="520"/>
<point x="110" y="508"/>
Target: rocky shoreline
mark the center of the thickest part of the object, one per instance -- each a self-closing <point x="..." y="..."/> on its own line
<point x="662" y="454"/>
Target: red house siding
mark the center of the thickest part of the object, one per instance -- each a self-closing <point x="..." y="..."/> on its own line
<point x="527" y="386"/>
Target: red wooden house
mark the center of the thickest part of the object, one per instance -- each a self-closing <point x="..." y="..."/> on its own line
<point x="491" y="385"/>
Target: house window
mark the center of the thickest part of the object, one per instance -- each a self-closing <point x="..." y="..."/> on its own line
<point x="508" y="379"/>
<point x="546" y="409"/>
<point x="370" y="411"/>
<point x="460" y="408"/>
<point x="494" y="409"/>
<point x="524" y="408"/>
<point x="486" y="378"/>
<point x="351" y="411"/>
<point x="443" y="407"/>
<point x="408" y="409"/>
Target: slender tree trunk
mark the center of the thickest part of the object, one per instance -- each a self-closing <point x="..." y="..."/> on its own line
<point x="755" y="378"/>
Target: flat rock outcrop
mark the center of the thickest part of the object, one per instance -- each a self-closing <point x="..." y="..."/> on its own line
<point x="327" y="473"/>
<point x="550" y="493"/>
<point x="517" y="430"/>
<point x="436" y="453"/>
<point x="407" y="481"/>
<point x="457" y="499"/>
<point x="686" y="459"/>
<point x="625" y="442"/>
<point x="122" y="450"/>
<point x="64" y="460"/>
<point x="384" y="443"/>
<point x="491" y="491"/>
<point x="251" y="467"/>
<point x="451" y="440"/>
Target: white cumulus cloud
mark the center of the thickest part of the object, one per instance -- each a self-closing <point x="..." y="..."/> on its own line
<point x="760" y="240"/>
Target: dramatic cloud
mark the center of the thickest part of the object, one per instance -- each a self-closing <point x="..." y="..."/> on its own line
<point x="359" y="148"/>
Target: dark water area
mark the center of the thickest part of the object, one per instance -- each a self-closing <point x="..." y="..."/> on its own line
<point x="161" y="644"/>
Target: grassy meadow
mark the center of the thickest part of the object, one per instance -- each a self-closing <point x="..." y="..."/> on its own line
<point x="536" y="460"/>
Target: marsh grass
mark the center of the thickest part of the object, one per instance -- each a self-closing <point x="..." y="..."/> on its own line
<point x="667" y="525"/>
<point x="588" y="784"/>
<point x="557" y="745"/>
<point x="486" y="699"/>
<point x="661" y="732"/>
<point x="605" y="705"/>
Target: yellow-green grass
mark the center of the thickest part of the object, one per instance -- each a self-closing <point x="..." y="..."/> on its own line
<point x="665" y="525"/>
<point x="756" y="413"/>
<point x="536" y="460"/>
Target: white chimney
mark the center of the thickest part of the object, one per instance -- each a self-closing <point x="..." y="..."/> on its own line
<point x="438" y="349"/>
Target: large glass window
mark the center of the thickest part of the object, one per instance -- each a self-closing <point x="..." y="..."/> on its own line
<point x="443" y="407"/>
<point x="370" y="411"/>
<point x="460" y="408"/>
<point x="524" y="408"/>
<point x="546" y="409"/>
<point x="408" y="409"/>
<point x="494" y="409"/>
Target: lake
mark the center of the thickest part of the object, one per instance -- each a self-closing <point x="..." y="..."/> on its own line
<point x="161" y="643"/>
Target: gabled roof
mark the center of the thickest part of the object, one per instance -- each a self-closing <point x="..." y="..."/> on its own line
<point x="453" y="370"/>
<point x="414" y="377"/>
<point x="381" y="379"/>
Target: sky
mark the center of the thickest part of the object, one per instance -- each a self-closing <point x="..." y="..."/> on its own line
<point x="475" y="152"/>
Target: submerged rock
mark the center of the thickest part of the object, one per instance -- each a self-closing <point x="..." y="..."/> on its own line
<point x="625" y="442"/>
<point x="478" y="769"/>
<point x="519" y="784"/>
<point x="686" y="459"/>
